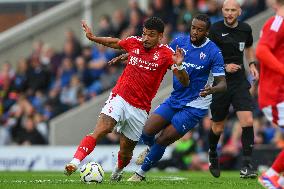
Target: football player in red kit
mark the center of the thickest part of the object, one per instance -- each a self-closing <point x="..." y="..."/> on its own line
<point x="129" y="103"/>
<point x="270" y="51"/>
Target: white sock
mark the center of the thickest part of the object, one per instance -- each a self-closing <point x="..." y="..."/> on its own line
<point x="271" y="172"/>
<point x="281" y="181"/>
<point x="116" y="169"/>
<point x="141" y="172"/>
<point x="75" y="161"/>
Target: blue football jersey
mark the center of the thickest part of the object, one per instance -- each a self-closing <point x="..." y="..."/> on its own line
<point x="202" y="64"/>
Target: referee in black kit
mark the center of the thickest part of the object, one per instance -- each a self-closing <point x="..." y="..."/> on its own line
<point x="234" y="38"/>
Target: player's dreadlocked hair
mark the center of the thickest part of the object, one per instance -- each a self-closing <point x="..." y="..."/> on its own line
<point x="154" y="23"/>
<point x="205" y="18"/>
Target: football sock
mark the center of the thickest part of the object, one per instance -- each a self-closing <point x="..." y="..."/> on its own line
<point x="148" y="139"/>
<point x="86" y="146"/>
<point x="155" y="154"/>
<point x="271" y="172"/>
<point x="122" y="161"/>
<point x="247" y="143"/>
<point x="213" y="140"/>
<point x="281" y="181"/>
<point x="278" y="164"/>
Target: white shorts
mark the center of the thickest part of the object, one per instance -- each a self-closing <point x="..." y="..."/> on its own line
<point x="275" y="114"/>
<point x="130" y="120"/>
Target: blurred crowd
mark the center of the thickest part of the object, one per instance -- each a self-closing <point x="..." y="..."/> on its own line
<point x="48" y="83"/>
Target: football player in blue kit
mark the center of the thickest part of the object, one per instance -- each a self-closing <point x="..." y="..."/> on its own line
<point x="186" y="106"/>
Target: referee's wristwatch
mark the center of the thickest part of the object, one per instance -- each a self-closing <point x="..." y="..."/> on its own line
<point x="252" y="62"/>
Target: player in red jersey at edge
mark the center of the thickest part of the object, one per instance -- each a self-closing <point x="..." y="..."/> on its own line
<point x="129" y="103"/>
<point x="270" y="53"/>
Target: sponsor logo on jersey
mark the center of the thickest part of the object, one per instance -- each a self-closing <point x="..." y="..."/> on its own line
<point x="224" y="34"/>
<point x="241" y="46"/>
<point x="135" y="61"/>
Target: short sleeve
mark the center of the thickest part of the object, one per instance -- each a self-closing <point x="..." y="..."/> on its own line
<point x="218" y="64"/>
<point x="129" y="42"/>
<point x="268" y="37"/>
<point x="249" y="41"/>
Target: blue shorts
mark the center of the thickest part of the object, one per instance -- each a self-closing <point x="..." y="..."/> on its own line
<point x="183" y="119"/>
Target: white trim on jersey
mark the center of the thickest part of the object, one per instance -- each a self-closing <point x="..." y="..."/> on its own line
<point x="275" y="26"/>
<point x="203" y="102"/>
<point x="205" y="43"/>
<point x="135" y="37"/>
<point x="218" y="74"/>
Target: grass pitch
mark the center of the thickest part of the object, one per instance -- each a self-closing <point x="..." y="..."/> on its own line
<point x="155" y="180"/>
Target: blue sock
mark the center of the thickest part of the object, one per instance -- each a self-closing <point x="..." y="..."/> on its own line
<point x="155" y="154"/>
<point x="148" y="139"/>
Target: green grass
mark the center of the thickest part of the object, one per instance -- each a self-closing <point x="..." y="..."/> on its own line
<point x="155" y="180"/>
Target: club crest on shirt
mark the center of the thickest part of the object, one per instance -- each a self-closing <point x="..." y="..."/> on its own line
<point x="156" y="56"/>
<point x="202" y="55"/>
<point x="241" y="46"/>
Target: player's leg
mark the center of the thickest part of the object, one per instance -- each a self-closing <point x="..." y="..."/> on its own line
<point x="130" y="130"/>
<point x="104" y="125"/>
<point x="272" y="177"/>
<point x="182" y="122"/>
<point x="106" y="122"/>
<point x="158" y="120"/>
<point x="124" y="156"/>
<point x="243" y="105"/>
<point x="219" y="110"/>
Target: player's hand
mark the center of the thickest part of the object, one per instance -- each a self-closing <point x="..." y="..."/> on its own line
<point x="119" y="58"/>
<point x="206" y="91"/>
<point x="232" y="68"/>
<point x="254" y="72"/>
<point x="178" y="56"/>
<point x="87" y="30"/>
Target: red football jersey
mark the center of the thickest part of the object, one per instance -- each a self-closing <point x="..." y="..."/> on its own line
<point x="140" y="80"/>
<point x="271" y="83"/>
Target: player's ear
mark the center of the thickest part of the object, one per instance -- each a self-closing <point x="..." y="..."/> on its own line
<point x="161" y="36"/>
<point x="240" y="11"/>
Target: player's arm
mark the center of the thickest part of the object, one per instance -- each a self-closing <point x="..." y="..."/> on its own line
<point x="267" y="58"/>
<point x="120" y="58"/>
<point x="178" y="68"/>
<point x="221" y="86"/>
<point x="249" y="53"/>
<point x="106" y="41"/>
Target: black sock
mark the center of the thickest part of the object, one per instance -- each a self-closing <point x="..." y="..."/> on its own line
<point x="213" y="141"/>
<point x="247" y="142"/>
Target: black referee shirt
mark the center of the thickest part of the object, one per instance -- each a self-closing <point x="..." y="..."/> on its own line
<point x="232" y="42"/>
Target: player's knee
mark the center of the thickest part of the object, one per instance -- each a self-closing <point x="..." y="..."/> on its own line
<point x="218" y="128"/>
<point x="162" y="141"/>
<point x="125" y="153"/>
<point x="247" y="122"/>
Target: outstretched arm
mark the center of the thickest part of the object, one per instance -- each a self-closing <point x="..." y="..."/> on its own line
<point x="221" y="86"/>
<point x="178" y="68"/>
<point x="106" y="41"/>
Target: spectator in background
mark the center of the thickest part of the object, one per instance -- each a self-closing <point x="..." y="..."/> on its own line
<point x="69" y="93"/>
<point x="71" y="38"/>
<point x="82" y="71"/>
<point x="119" y="22"/>
<point x="100" y="56"/>
<point x="38" y="77"/>
<point x="189" y="11"/>
<point x="105" y="26"/>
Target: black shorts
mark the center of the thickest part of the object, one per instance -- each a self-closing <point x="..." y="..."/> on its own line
<point x="238" y="95"/>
